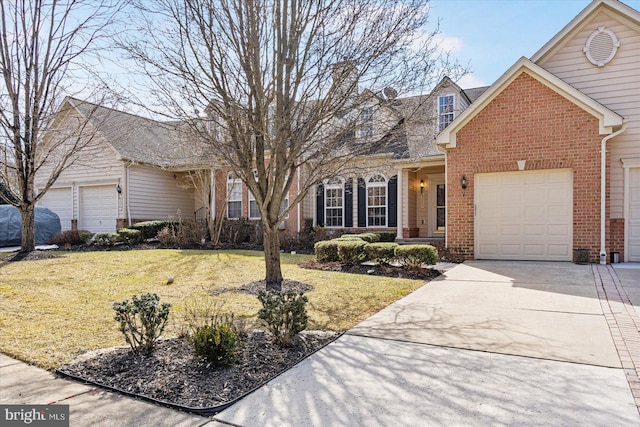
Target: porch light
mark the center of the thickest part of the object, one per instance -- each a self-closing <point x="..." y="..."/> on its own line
<point x="421" y="186"/>
<point x="119" y="189"/>
<point x="463" y="183"/>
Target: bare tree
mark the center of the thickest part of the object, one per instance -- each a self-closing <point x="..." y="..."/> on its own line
<point x="43" y="49"/>
<point x="280" y="82"/>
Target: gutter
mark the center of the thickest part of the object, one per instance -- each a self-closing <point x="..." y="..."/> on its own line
<point x="603" y="190"/>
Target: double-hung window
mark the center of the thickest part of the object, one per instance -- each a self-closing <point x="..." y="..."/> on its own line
<point x="445" y="111"/>
<point x="234" y="197"/>
<point x="334" y="203"/>
<point x="377" y="201"/>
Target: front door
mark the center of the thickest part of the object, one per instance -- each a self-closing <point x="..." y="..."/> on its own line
<point x="437" y="207"/>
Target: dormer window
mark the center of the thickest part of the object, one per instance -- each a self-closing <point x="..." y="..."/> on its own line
<point x="445" y="111"/>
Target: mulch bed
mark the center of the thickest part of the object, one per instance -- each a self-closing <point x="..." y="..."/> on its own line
<point x="254" y="288"/>
<point x="374" y="270"/>
<point x="172" y="373"/>
<point x="32" y="256"/>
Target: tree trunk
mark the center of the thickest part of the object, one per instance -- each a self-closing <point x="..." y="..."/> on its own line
<point x="28" y="240"/>
<point x="272" y="258"/>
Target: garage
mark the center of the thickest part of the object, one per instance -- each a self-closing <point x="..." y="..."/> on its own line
<point x="98" y="208"/>
<point x="524" y="215"/>
<point x="60" y="201"/>
<point x="634" y="215"/>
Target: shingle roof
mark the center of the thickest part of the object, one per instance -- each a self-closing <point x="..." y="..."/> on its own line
<point x="475" y="92"/>
<point x="144" y="140"/>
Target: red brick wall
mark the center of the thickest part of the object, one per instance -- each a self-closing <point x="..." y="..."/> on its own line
<point x="616" y="237"/>
<point x="527" y="121"/>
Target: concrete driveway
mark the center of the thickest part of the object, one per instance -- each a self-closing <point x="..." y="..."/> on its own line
<point x="489" y="343"/>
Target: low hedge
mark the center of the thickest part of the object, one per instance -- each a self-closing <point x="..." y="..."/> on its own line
<point x="386" y="236"/>
<point x="150" y="229"/>
<point x="351" y="251"/>
<point x="327" y="251"/>
<point x="416" y="255"/>
<point x="130" y="236"/>
<point x="383" y="252"/>
<point x="370" y="237"/>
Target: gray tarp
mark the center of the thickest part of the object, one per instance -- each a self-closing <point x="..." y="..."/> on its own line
<point x="47" y="225"/>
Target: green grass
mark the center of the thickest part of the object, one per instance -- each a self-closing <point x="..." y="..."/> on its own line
<point x="52" y="310"/>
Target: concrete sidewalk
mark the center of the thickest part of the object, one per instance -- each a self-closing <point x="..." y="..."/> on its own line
<point x="490" y="343"/>
<point x="88" y="406"/>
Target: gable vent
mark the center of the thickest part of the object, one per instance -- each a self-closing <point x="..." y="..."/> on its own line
<point x="601" y="46"/>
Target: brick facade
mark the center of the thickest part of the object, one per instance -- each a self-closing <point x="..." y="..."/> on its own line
<point x="527" y="121"/>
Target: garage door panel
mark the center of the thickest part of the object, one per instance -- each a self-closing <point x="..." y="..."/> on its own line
<point x="531" y="220"/>
<point x="60" y="201"/>
<point x="634" y="215"/>
<point x="98" y="208"/>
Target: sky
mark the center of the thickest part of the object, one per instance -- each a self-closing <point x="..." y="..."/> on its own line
<point x="491" y="35"/>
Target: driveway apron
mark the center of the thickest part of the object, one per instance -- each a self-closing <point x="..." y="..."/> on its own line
<point x="488" y="343"/>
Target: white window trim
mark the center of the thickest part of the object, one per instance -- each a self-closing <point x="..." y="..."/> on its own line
<point x="453" y="109"/>
<point x="386" y="198"/>
<point x="233" y="180"/>
<point x="328" y="186"/>
<point x="366" y="122"/>
<point x="252" y="199"/>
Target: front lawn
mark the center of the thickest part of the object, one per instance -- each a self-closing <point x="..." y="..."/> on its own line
<point x="52" y="310"/>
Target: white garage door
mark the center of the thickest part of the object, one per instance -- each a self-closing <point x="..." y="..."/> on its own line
<point x="60" y="201"/>
<point x="98" y="209"/>
<point x="524" y="215"/>
<point x="634" y="215"/>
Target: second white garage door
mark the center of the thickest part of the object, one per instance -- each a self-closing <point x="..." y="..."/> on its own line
<point x="634" y="215"/>
<point x="525" y="215"/>
<point x="98" y="208"/>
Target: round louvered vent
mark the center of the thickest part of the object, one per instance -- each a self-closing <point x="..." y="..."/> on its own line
<point x="601" y="46"/>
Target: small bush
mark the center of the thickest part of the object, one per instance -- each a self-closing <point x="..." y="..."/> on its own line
<point x="183" y="233"/>
<point x="383" y="252"/>
<point x="217" y="342"/>
<point x="370" y="237"/>
<point x="142" y="320"/>
<point x="416" y="255"/>
<point x="386" y="236"/>
<point x="351" y="252"/>
<point x="327" y="251"/>
<point x="285" y="314"/>
<point x="106" y="239"/>
<point x="130" y="236"/>
<point x="349" y="238"/>
<point x="70" y="237"/>
<point x="150" y="229"/>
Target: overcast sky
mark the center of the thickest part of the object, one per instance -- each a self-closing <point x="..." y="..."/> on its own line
<point x="494" y="34"/>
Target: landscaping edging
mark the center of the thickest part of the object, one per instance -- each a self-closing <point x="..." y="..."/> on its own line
<point x="204" y="411"/>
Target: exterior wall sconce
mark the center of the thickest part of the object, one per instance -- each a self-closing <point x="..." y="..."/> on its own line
<point x="463" y="183"/>
<point x="119" y="189"/>
<point x="421" y="186"/>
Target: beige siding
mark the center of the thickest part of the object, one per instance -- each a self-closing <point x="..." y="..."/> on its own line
<point x="97" y="164"/>
<point x="156" y="194"/>
<point x="616" y="85"/>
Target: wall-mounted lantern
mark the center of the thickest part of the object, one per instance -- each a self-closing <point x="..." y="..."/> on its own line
<point x="463" y="183"/>
<point x="119" y="189"/>
<point x="421" y="186"/>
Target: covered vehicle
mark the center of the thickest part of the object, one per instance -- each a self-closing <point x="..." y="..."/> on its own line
<point x="47" y="225"/>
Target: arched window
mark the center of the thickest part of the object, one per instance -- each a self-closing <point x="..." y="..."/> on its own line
<point x="234" y="196"/>
<point x="334" y="202"/>
<point x="377" y="201"/>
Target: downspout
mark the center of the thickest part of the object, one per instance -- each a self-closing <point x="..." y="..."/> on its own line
<point x="603" y="190"/>
<point x="126" y="177"/>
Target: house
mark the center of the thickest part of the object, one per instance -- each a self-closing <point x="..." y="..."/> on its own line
<point x="132" y="169"/>
<point x="547" y="160"/>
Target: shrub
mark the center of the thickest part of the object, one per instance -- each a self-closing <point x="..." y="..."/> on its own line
<point x="327" y="251"/>
<point x="183" y="233"/>
<point x="349" y="238"/>
<point x="416" y="255"/>
<point x="382" y="252"/>
<point x="150" y="229"/>
<point x="386" y="236"/>
<point x="106" y="239"/>
<point x="142" y="320"/>
<point x="285" y="314"/>
<point x="351" y="251"/>
<point x="70" y="237"/>
<point x="217" y="342"/>
<point x="370" y="237"/>
<point x="130" y="236"/>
